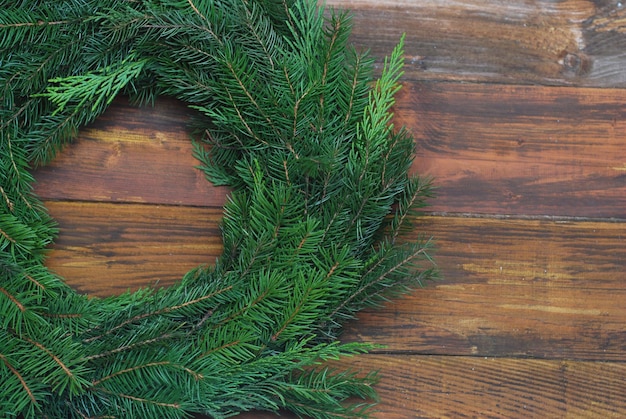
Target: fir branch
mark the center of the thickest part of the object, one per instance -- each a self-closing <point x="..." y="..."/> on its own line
<point x="373" y="279"/>
<point x="95" y="383"/>
<point x="17" y="374"/>
<point x="10" y="204"/>
<point x="159" y="312"/>
<point x="416" y="191"/>
<point x="13" y="299"/>
<point x="221" y="348"/>
<point x="195" y="9"/>
<point x="132" y="346"/>
<point x="135" y="406"/>
<point x="48" y="352"/>
<point x="98" y="88"/>
<point x="39" y="23"/>
<point x="292" y="124"/>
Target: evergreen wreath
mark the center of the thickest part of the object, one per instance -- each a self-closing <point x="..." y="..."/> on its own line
<point x="289" y="117"/>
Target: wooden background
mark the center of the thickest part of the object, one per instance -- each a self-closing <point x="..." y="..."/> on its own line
<point x="519" y="112"/>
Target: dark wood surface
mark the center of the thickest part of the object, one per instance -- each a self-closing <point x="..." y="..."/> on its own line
<point x="519" y="113"/>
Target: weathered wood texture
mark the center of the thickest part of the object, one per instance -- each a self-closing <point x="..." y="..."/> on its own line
<point x="529" y="158"/>
<point x="436" y="386"/>
<point x="106" y="249"/>
<point x="130" y="156"/>
<point x="520" y="150"/>
<point x="525" y="288"/>
<point x="570" y="42"/>
<point x="492" y="148"/>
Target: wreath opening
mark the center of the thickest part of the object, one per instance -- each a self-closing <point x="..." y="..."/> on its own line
<point x="290" y="118"/>
<point x="148" y="217"/>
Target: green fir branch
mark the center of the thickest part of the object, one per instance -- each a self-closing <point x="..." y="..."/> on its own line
<point x="99" y="88"/>
<point x="288" y="115"/>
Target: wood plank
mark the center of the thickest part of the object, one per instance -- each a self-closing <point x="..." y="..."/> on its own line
<point x="477" y="387"/>
<point x="436" y="387"/>
<point x="520" y="150"/>
<point x="571" y="42"/>
<point x="131" y="154"/>
<point x="527" y="288"/>
<point x="605" y="44"/>
<point x="491" y="149"/>
<point x="105" y="249"/>
<point x="511" y="287"/>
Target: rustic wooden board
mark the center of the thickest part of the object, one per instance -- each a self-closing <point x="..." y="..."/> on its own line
<point x="512" y="287"/>
<point x="571" y="42"/>
<point x="490" y="148"/>
<point x="434" y="386"/>
<point x="105" y="249"/>
<point x="520" y="150"/>
<point x="486" y="387"/>
<point x="530" y="219"/>
<point x="131" y="154"/>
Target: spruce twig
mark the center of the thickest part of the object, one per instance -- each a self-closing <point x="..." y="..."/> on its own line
<point x="289" y="117"/>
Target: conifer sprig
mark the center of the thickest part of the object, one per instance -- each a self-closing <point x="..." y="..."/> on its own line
<point x="289" y="116"/>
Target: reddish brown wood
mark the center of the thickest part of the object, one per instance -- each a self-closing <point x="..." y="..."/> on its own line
<point x="528" y="319"/>
<point x="487" y="387"/>
<point x="509" y="287"/>
<point x="131" y="155"/>
<point x="451" y="387"/>
<point x="520" y="150"/>
<point x="490" y="148"/>
<point x="106" y="249"/>
<point x="571" y="42"/>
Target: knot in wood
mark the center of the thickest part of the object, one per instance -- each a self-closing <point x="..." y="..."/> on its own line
<point x="576" y="64"/>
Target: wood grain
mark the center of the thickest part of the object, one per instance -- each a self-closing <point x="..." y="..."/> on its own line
<point x="490" y="148"/>
<point x="512" y="287"/>
<point x="530" y="222"/>
<point x="106" y="249"/>
<point x="519" y="149"/>
<point x="453" y="387"/>
<point x="570" y="42"/>
<point x="131" y="154"/>
<point x="486" y="387"/>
